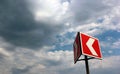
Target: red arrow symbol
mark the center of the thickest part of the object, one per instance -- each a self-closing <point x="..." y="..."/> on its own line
<point x="89" y="44"/>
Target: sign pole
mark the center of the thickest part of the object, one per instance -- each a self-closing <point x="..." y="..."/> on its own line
<point x="87" y="65"/>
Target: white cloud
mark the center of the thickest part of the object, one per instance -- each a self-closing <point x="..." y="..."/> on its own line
<point x="49" y="10"/>
<point x="110" y="22"/>
<point x="92" y="29"/>
<point x="64" y="61"/>
<point x="76" y="16"/>
<point x="87" y="11"/>
<point x="56" y="62"/>
<point x="4" y="52"/>
<point x="65" y="64"/>
<point x="109" y="13"/>
<point x="109" y="65"/>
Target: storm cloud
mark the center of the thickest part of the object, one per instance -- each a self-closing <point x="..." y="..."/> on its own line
<point x="18" y="26"/>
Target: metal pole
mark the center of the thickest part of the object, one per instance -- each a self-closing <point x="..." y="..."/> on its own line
<point x="87" y="65"/>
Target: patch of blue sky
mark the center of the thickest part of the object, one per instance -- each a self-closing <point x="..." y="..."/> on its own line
<point x="107" y="53"/>
<point x="62" y="42"/>
<point x="100" y="20"/>
<point x="65" y="47"/>
<point x="109" y="37"/>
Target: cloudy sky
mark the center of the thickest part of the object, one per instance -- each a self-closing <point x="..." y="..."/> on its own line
<point x="36" y="36"/>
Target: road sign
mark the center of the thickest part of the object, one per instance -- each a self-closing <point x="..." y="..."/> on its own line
<point x="77" y="47"/>
<point x="86" y="45"/>
<point x="90" y="46"/>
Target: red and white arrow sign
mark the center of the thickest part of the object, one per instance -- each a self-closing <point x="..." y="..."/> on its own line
<point x="90" y="46"/>
<point x="86" y="45"/>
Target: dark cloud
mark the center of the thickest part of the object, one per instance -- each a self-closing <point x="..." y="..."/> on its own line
<point x="18" y="27"/>
<point x="85" y="10"/>
<point x="25" y="70"/>
<point x="19" y="71"/>
<point x="66" y="1"/>
<point x="51" y="63"/>
<point x="72" y="71"/>
<point x="105" y="71"/>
